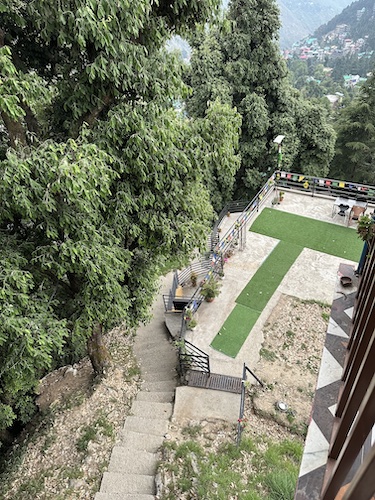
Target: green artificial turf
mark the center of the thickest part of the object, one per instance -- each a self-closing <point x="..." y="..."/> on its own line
<point x="265" y="281"/>
<point x="235" y="330"/>
<point x="294" y="232"/>
<point x="322" y="236"/>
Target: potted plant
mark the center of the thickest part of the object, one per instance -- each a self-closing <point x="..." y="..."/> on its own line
<point x="281" y="196"/>
<point x="188" y="315"/>
<point x="193" y="279"/>
<point x="192" y="324"/>
<point x="366" y="227"/>
<point x="210" y="290"/>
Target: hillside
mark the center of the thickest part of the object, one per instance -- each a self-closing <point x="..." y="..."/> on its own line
<point x="300" y="19"/>
<point x="345" y="45"/>
<point x="360" y="19"/>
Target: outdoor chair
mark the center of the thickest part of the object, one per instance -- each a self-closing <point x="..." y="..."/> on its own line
<point x="342" y="210"/>
<point x="355" y="213"/>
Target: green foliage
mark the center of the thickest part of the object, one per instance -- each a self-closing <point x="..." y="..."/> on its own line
<point x="101" y="181"/>
<point x="30" y="332"/>
<point x="220" y="130"/>
<point x="281" y="485"/>
<point x="354" y="157"/>
<point x="366" y="228"/>
<point x="211" y="289"/>
<point x="238" y="62"/>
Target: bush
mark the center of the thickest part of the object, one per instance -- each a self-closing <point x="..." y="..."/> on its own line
<point x="281" y="485"/>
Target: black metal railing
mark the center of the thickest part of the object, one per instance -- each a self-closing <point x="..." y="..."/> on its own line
<point x="192" y="358"/>
<point x="241" y="421"/>
<point x="199" y="269"/>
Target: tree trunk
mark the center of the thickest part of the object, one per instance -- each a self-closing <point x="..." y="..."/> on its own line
<point x="97" y="351"/>
<point x="16" y="131"/>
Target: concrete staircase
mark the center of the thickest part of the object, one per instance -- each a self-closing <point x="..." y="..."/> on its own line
<point x="132" y="467"/>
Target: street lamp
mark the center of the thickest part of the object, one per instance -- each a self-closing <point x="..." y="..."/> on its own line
<point x="279" y="139"/>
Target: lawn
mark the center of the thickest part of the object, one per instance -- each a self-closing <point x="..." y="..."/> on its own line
<point x="322" y="236"/>
<point x="295" y="233"/>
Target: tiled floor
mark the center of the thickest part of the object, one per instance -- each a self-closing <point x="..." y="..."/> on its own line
<point x="319" y="433"/>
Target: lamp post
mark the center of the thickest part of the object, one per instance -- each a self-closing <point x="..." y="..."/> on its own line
<point x="279" y="139"/>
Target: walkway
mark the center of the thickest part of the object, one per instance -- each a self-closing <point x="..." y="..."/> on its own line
<point x="132" y="467"/>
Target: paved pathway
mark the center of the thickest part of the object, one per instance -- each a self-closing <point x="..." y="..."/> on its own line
<point x="132" y="467"/>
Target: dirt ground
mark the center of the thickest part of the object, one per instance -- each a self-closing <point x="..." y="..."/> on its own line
<point x="289" y="363"/>
<point x="65" y="453"/>
<point x="290" y="360"/>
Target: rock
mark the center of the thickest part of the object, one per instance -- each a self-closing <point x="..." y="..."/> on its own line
<point x="70" y="371"/>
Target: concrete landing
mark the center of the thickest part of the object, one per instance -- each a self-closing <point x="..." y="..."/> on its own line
<point x="196" y="404"/>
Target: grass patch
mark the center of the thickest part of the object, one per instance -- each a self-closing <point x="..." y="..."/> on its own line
<point x="256" y="470"/>
<point x="235" y="330"/>
<point x="281" y="485"/>
<point x="90" y="433"/>
<point x="317" y="235"/>
<point x="267" y="354"/>
<point x="253" y="298"/>
<point x="265" y="281"/>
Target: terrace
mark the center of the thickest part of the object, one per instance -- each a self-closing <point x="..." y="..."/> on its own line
<point x="310" y="275"/>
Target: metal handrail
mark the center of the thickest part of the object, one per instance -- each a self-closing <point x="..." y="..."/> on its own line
<point x="240" y="427"/>
<point x="240" y="424"/>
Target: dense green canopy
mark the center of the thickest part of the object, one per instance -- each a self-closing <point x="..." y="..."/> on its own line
<point x="101" y="180"/>
<point x="355" y="148"/>
<point x="238" y="61"/>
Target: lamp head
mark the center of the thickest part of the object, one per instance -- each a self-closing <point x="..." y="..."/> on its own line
<point x="279" y="139"/>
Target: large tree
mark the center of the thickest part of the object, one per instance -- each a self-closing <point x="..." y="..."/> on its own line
<point x="355" y="147"/>
<point x="101" y="181"/>
<point x="238" y="60"/>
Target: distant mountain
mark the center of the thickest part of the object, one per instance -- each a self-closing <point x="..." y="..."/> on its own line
<point x="301" y="18"/>
<point x="359" y="17"/>
<point x="298" y="18"/>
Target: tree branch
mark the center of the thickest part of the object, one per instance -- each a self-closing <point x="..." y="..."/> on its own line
<point x="91" y="117"/>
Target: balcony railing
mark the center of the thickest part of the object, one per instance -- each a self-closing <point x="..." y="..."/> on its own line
<point x="323" y="186"/>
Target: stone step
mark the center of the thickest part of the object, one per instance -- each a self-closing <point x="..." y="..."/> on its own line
<point x="145" y="345"/>
<point x="159" y="386"/>
<point x="123" y="496"/>
<point x="146" y="342"/>
<point x="160" y="359"/>
<point x="158" y="397"/>
<point x="132" y="461"/>
<point x="132" y="440"/>
<point x="159" y="375"/>
<point x="115" y="482"/>
<point x="146" y="426"/>
<point x="149" y="409"/>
